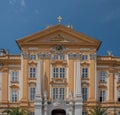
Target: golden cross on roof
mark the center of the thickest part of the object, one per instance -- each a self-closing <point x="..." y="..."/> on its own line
<point x="59" y="18"/>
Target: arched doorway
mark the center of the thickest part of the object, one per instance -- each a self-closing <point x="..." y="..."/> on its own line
<point x="58" y="112"/>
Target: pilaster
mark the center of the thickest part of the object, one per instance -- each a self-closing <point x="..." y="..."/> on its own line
<point x="92" y="75"/>
<point x="25" y="79"/>
<point x="111" y="85"/>
<point x="5" y="86"/>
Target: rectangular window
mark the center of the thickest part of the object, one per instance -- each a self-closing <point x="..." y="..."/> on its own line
<point x="56" y="57"/>
<point x="102" y="96"/>
<point x="32" y="57"/>
<point x="84" y="113"/>
<point x="102" y="76"/>
<point x="61" y="93"/>
<point x="118" y="95"/>
<point x="84" y="94"/>
<point x="84" y="57"/>
<point x="84" y="72"/>
<point x="62" y="57"/>
<point x="14" y="96"/>
<point x="55" y="93"/>
<point x="32" y="72"/>
<point x="118" y="77"/>
<point x="58" y="93"/>
<point x="14" y="76"/>
<point x="55" y="73"/>
<point x="62" y="72"/>
<point x="32" y="93"/>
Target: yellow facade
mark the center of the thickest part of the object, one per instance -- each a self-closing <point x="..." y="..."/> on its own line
<point x="100" y="75"/>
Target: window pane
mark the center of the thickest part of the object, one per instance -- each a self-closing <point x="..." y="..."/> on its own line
<point x="32" y="93"/>
<point x="102" y="76"/>
<point x="62" y="57"/>
<point x="55" y="73"/>
<point x="56" y="57"/>
<point x="62" y="72"/>
<point x="14" y="76"/>
<point x="84" y="72"/>
<point x="14" y="96"/>
<point x="84" y="57"/>
<point x="55" y="93"/>
<point x="32" y="72"/>
<point x="61" y="93"/>
<point x="84" y="94"/>
<point x="102" y="96"/>
<point x="32" y="57"/>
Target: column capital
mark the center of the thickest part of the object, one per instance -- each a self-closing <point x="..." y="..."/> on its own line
<point x="93" y="56"/>
<point x="25" y="55"/>
<point x="44" y="55"/>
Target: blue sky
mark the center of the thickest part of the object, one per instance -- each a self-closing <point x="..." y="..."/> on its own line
<point x="99" y="19"/>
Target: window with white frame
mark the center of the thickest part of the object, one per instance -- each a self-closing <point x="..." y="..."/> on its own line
<point x="55" y="93"/>
<point x="118" y="95"/>
<point x="14" y="76"/>
<point x="58" y="93"/>
<point x="84" y="57"/>
<point x="84" y="72"/>
<point x="59" y="57"/>
<point x="14" y="95"/>
<point x="32" y="72"/>
<point x="84" y="113"/>
<point x="32" y="57"/>
<point x="102" y="95"/>
<point x="62" y="57"/>
<point x="32" y="93"/>
<point x="56" y="56"/>
<point x="62" y="72"/>
<point x="55" y="72"/>
<point x="59" y="72"/>
<point x="102" y="76"/>
<point x="84" y="93"/>
<point x="118" y="77"/>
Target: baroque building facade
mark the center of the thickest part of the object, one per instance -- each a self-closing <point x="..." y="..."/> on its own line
<point x="59" y="72"/>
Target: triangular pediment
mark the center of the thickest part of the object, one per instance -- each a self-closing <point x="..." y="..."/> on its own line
<point x="58" y="35"/>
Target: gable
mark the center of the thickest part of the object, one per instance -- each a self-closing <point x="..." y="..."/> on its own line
<point x="58" y="35"/>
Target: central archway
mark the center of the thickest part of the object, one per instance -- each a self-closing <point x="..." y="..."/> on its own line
<point x="58" y="112"/>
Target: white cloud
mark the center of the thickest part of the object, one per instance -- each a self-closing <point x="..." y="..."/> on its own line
<point x="112" y="15"/>
<point x="23" y="3"/>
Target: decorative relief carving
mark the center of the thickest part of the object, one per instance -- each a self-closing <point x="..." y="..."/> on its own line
<point x="25" y="55"/>
<point x="59" y="81"/>
<point x="44" y="55"/>
<point x="59" y="38"/>
<point x="93" y="56"/>
<point x="59" y="49"/>
<point x="74" y="56"/>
